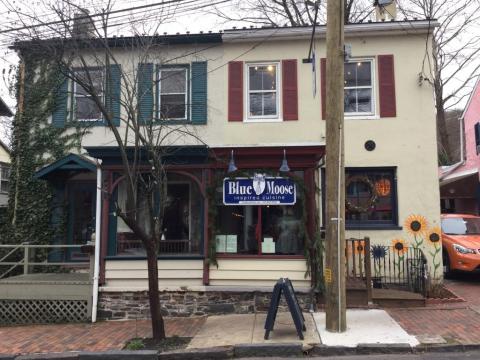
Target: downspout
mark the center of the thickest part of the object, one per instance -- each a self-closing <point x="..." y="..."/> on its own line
<point x="98" y="231"/>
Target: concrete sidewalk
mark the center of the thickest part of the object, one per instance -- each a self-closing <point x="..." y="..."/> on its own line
<point x="226" y="330"/>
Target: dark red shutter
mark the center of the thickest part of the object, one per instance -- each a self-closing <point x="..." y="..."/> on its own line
<point x="323" y="86"/>
<point x="386" y="82"/>
<point x="290" y="90"/>
<point x="235" y="91"/>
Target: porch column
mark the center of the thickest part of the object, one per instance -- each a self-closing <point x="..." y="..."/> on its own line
<point x="107" y="187"/>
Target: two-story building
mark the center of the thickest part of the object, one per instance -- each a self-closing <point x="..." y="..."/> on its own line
<point x="250" y="98"/>
<point x="4" y="160"/>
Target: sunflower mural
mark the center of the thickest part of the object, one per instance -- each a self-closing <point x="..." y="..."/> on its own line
<point x="399" y="249"/>
<point x="417" y="226"/>
<point x="434" y="237"/>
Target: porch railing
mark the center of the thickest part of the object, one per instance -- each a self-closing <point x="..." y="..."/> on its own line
<point x="358" y="263"/>
<point x="33" y="257"/>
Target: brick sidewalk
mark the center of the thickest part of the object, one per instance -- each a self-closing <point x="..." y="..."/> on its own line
<point x="459" y="321"/>
<point x="102" y="336"/>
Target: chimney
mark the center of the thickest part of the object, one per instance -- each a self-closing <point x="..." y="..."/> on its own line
<point x="385" y="10"/>
<point x="83" y="26"/>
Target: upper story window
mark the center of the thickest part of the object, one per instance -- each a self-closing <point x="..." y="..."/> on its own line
<point x="85" y="108"/>
<point x="173" y="93"/>
<point x="4" y="178"/>
<point x="359" y="94"/>
<point x="262" y="91"/>
<point x="477" y="137"/>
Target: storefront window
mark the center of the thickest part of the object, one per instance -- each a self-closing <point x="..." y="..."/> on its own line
<point x="182" y="223"/>
<point x="261" y="229"/>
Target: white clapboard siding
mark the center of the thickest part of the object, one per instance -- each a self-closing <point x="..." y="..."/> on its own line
<point x="258" y="272"/>
<point x="132" y="275"/>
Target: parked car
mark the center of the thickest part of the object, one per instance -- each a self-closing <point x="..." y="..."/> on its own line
<point x="461" y="243"/>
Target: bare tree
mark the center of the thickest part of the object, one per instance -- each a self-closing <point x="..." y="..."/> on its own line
<point x="292" y="12"/>
<point x="80" y="48"/>
<point x="454" y="62"/>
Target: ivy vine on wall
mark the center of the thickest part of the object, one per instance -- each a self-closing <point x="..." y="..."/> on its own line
<point x="35" y="143"/>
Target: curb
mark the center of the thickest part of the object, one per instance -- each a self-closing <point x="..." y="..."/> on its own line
<point x="251" y="350"/>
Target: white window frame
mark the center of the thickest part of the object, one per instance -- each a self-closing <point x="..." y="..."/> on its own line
<point x="262" y="118"/>
<point x="159" y="95"/>
<point x="74" y="98"/>
<point x="7" y="180"/>
<point x="365" y="115"/>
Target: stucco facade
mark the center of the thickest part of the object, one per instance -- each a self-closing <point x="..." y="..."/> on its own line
<point x="405" y="145"/>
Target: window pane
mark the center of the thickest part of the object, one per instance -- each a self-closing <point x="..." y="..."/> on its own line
<point x="172" y="81"/>
<point x="350" y="100"/>
<point x="238" y="224"/>
<point x="270" y="104"/>
<point x="90" y="77"/>
<point x="350" y="74"/>
<point x="256" y="104"/>
<point x="358" y="74"/>
<point x="4" y="173"/>
<point x="364" y="73"/>
<point x="263" y="104"/>
<point x="176" y="222"/>
<point x="86" y="109"/>
<point x="364" y="97"/>
<point x="283" y="224"/>
<point x="172" y="106"/>
<point x="369" y="196"/>
<point x="263" y="77"/>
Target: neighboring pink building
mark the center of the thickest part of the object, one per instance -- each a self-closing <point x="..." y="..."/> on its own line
<point x="460" y="183"/>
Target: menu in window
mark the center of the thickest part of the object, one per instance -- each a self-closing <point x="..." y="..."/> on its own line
<point x="268" y="246"/>
<point x="221" y="243"/>
<point x="231" y="246"/>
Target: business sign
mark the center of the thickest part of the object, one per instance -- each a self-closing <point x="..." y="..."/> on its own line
<point x="259" y="190"/>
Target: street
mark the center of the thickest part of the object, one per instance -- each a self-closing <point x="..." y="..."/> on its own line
<point x="426" y="356"/>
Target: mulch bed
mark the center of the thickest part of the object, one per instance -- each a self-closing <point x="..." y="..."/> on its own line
<point x="168" y="344"/>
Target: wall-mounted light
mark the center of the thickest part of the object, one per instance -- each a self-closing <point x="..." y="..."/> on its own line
<point x="231" y="165"/>
<point x="284" y="167"/>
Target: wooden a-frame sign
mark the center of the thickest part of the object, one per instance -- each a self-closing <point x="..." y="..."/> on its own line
<point x="284" y="285"/>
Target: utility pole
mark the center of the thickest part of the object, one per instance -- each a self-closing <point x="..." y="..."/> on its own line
<point x="335" y="304"/>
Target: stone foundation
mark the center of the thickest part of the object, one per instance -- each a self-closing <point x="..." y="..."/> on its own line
<point x="134" y="305"/>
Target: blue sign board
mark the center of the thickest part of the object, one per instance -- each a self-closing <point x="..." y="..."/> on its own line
<point x="259" y="190"/>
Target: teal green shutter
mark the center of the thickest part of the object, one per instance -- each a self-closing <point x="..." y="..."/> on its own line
<point x="199" y="92"/>
<point x="145" y="93"/>
<point x="114" y="91"/>
<point x="59" y="114"/>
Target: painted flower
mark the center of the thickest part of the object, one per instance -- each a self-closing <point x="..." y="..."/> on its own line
<point x="434" y="235"/>
<point x="399" y="246"/>
<point x="359" y="247"/>
<point x="378" y="252"/>
<point x="416" y="224"/>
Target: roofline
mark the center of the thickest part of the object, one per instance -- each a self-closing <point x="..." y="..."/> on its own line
<point x="406" y="27"/>
<point x="4" y="109"/>
<point x="470" y="98"/>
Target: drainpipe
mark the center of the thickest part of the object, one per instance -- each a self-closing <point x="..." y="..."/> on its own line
<point x="98" y="222"/>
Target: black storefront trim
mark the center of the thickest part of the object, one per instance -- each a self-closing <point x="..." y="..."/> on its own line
<point x="373" y="227"/>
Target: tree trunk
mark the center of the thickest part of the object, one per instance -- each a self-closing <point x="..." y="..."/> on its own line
<point x="158" y="325"/>
<point x="443" y="144"/>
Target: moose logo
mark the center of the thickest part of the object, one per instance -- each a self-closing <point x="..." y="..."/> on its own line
<point x="258" y="183"/>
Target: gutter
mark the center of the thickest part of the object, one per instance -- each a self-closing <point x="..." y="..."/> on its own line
<point x="98" y="223"/>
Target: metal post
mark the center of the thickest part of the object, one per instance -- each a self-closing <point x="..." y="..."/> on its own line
<point x="26" y="257"/>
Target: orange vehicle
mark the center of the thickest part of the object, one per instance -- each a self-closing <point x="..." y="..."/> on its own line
<point x="461" y="243"/>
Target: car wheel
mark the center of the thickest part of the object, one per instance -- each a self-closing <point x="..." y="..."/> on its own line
<point x="447" y="271"/>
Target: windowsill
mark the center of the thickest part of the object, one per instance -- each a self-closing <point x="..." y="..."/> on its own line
<point x="266" y="120"/>
<point x="361" y="117"/>
<point x="373" y="227"/>
<point x="87" y="123"/>
<point x="160" y="257"/>
<point x="173" y="122"/>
